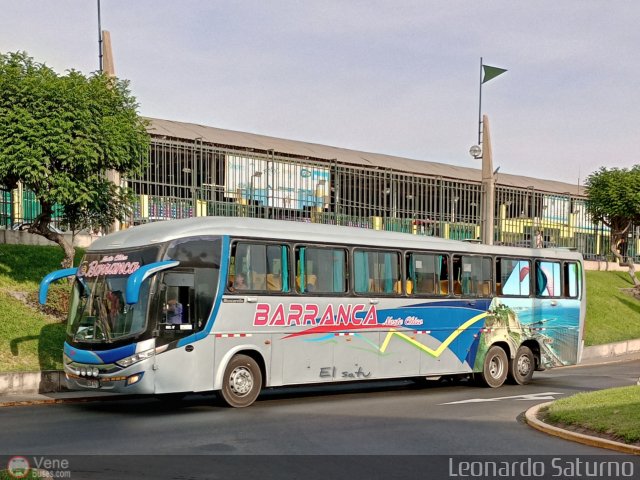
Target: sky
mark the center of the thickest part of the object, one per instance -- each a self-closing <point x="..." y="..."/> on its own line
<point x="398" y="77"/>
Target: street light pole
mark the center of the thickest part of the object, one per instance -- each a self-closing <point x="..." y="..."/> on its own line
<point x="99" y="38"/>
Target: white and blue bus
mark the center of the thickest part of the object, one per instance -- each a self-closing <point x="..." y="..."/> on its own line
<point x="236" y="304"/>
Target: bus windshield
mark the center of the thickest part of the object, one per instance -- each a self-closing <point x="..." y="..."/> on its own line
<point x="98" y="312"/>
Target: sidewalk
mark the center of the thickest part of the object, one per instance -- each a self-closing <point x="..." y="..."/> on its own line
<point x="25" y="399"/>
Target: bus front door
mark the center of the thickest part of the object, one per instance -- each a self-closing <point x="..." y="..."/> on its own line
<point x="175" y="366"/>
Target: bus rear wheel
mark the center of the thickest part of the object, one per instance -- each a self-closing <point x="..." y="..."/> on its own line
<point x="495" y="368"/>
<point x="242" y="382"/>
<point x="522" y="366"/>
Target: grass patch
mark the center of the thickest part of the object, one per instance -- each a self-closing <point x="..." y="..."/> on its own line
<point x="29" y="340"/>
<point x="614" y="412"/>
<point x="31" y="337"/>
<point x="24" y="266"/>
<point x="612" y="314"/>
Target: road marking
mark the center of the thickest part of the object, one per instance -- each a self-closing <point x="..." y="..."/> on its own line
<point x="528" y="397"/>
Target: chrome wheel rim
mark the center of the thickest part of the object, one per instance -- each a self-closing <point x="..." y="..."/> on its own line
<point x="241" y="381"/>
<point x="496" y="367"/>
<point x="524" y="365"/>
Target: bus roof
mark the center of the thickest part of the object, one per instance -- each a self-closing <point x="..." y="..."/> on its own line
<point x="163" y="231"/>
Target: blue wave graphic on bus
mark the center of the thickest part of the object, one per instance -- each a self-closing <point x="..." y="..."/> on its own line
<point x="461" y="325"/>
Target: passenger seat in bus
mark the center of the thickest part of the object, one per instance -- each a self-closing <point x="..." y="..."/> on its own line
<point x="257" y="281"/>
<point x="428" y="286"/>
<point x="310" y="281"/>
<point x="408" y="286"/>
<point x="484" y="288"/>
<point x="444" y="287"/>
<point x="274" y="282"/>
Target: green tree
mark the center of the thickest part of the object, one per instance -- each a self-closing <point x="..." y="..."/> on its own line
<point x="60" y="135"/>
<point x="614" y="199"/>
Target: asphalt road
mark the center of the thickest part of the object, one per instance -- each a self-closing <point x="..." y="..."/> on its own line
<point x="377" y="418"/>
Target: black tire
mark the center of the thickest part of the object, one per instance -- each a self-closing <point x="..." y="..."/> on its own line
<point x="521" y="367"/>
<point x="495" y="368"/>
<point x="242" y="382"/>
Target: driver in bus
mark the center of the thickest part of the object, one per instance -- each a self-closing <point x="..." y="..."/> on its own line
<point x="174" y="311"/>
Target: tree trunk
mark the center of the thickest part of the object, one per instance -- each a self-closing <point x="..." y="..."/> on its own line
<point x="628" y="263"/>
<point x="40" y="227"/>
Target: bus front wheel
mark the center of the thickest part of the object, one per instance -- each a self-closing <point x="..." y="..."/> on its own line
<point x="495" y="368"/>
<point x="522" y="366"/>
<point x="242" y="382"/>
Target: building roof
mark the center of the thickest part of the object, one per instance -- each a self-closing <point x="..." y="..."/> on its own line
<point x="231" y="138"/>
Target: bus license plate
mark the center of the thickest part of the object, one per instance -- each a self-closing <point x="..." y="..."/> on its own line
<point x="92" y="383"/>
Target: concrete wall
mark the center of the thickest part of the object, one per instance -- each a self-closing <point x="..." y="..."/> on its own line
<point x="32" y="382"/>
<point x="607" y="266"/>
<point x="19" y="237"/>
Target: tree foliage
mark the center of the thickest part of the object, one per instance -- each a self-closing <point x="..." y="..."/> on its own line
<point x="60" y="134"/>
<point x="614" y="199"/>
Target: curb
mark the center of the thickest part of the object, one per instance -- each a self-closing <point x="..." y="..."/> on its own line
<point x="531" y="416"/>
<point x="610" y="350"/>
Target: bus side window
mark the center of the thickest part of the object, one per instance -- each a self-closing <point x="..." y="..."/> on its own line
<point x="277" y="268"/>
<point x="195" y="281"/>
<point x="571" y="280"/>
<point x="548" y="279"/>
<point x="472" y="276"/>
<point x="321" y="270"/>
<point x="512" y="277"/>
<point x="178" y="301"/>
<point x="425" y="272"/>
<point x="258" y="267"/>
<point x="376" y="272"/>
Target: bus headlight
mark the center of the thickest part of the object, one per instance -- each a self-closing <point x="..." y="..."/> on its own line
<point x="134" y="379"/>
<point x="138" y="357"/>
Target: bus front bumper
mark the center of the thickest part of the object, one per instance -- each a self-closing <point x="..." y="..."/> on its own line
<point x="135" y="379"/>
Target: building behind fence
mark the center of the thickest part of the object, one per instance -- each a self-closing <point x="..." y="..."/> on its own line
<point x="199" y="171"/>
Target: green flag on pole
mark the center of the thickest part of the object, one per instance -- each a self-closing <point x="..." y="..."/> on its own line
<point x="491" y="72"/>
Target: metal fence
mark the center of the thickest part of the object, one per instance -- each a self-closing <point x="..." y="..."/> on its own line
<point x="192" y="178"/>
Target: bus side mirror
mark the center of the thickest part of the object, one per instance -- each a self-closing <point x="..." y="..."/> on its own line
<point x="52" y="277"/>
<point x="132" y="291"/>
